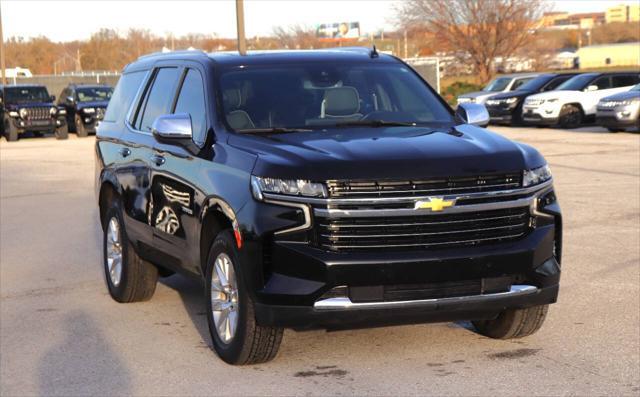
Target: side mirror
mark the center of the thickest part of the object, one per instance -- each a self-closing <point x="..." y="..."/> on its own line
<point x="70" y="100"/>
<point x="473" y="113"/>
<point x="173" y="128"/>
<point x="52" y="98"/>
<point x="591" y="88"/>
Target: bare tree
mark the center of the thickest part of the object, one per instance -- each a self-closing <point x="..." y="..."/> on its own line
<point x="484" y="29"/>
<point x="296" y="37"/>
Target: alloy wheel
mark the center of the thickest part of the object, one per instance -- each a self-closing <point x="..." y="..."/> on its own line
<point x="114" y="252"/>
<point x="224" y="298"/>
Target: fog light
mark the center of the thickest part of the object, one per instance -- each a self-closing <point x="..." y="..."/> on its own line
<point x="87" y="120"/>
<point x="548" y="111"/>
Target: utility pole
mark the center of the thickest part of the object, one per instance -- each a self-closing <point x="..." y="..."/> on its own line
<point x="242" y="44"/>
<point x="406" y="46"/>
<point x="3" y="79"/>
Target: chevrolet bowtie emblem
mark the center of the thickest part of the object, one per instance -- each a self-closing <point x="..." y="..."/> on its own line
<point x="434" y="204"/>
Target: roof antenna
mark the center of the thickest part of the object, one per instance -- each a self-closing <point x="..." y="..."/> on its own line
<point x="374" y="52"/>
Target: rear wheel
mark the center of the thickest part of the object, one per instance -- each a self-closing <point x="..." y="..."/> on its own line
<point x="236" y="337"/>
<point x="81" y="131"/>
<point x="570" y="117"/>
<point x="611" y="129"/>
<point x="128" y="277"/>
<point x="513" y="323"/>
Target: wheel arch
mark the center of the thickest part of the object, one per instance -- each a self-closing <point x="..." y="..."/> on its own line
<point x="108" y="194"/>
<point x="216" y="216"/>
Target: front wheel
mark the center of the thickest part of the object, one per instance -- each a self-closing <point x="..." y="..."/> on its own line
<point x="236" y="337"/>
<point x="570" y="117"/>
<point x="128" y="277"/>
<point x="81" y="131"/>
<point x="513" y="323"/>
<point x="62" y="132"/>
<point x="10" y="131"/>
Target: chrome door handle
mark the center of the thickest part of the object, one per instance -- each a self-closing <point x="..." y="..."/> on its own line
<point x="157" y="159"/>
<point x="125" y="151"/>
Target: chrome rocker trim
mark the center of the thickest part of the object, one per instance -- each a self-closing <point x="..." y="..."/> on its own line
<point x="346" y="304"/>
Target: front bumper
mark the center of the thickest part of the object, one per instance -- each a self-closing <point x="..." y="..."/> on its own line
<point x="501" y="115"/>
<point x="619" y="117"/>
<point x="299" y="283"/>
<point x="35" y="125"/>
<point x="540" y="115"/>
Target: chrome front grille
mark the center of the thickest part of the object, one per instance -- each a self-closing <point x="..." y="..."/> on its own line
<point x="424" y="231"/>
<point x="533" y="102"/>
<point x="425" y="187"/>
<point x="38" y="113"/>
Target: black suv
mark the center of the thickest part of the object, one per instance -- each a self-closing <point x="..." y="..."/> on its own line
<point x="29" y="108"/>
<point x="85" y="106"/>
<point x="506" y="108"/>
<point x="320" y="189"/>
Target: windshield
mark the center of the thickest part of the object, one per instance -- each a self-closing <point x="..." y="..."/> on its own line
<point x="635" y="88"/>
<point x="91" y="94"/>
<point x="26" y="94"/>
<point x="535" y="84"/>
<point x="498" y="84"/>
<point x="576" y="83"/>
<point x="320" y="95"/>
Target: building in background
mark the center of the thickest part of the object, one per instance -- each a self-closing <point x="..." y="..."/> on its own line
<point x="609" y="55"/>
<point x="623" y="13"/>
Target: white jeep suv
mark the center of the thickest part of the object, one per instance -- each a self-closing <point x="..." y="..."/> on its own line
<point x="575" y="100"/>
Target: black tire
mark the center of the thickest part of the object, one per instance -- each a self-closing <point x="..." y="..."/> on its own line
<point x="81" y="131"/>
<point x="570" y="117"/>
<point x="252" y="343"/>
<point x="10" y="131"/>
<point x="611" y="129"/>
<point x="62" y="132"/>
<point x="138" y="278"/>
<point x="513" y="323"/>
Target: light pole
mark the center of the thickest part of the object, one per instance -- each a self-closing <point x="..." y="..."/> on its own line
<point x="2" y="64"/>
<point x="242" y="44"/>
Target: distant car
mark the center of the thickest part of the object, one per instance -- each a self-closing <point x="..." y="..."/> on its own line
<point x="574" y="101"/>
<point x="85" y="106"/>
<point x="620" y="111"/>
<point x="29" y="108"/>
<point x="506" y="108"/>
<point x="500" y="84"/>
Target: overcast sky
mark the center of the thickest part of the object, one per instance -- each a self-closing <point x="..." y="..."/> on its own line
<point x="72" y="20"/>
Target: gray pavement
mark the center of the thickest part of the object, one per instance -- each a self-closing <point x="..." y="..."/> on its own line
<point x="61" y="334"/>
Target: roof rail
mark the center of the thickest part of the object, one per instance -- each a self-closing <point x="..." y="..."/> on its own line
<point x="179" y="52"/>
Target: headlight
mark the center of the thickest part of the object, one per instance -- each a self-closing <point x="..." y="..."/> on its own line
<point x="89" y="110"/>
<point x="62" y="111"/>
<point x="53" y="111"/>
<point x="511" y="100"/>
<point x="536" y="176"/>
<point x="552" y="100"/>
<point x="465" y="100"/>
<point x="24" y="113"/>
<point x="289" y="187"/>
<point x="14" y="114"/>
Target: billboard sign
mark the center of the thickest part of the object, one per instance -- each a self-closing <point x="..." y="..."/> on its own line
<point x="338" y="31"/>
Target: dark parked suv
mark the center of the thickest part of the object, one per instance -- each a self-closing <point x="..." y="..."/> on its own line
<point x="85" y="106"/>
<point x="320" y="189"/>
<point x="29" y="108"/>
<point x="506" y="108"/>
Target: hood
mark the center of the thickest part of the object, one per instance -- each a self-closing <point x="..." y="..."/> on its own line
<point x="15" y="106"/>
<point x="511" y="94"/>
<point x="621" y="96"/>
<point x="94" y="104"/>
<point x="561" y="95"/>
<point x="385" y="153"/>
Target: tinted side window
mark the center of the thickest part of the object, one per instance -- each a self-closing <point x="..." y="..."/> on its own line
<point x="553" y="84"/>
<point x="123" y="96"/>
<point x="625" y="80"/>
<point x="603" y="83"/>
<point x="159" y="98"/>
<point x="191" y="100"/>
<point x="519" y="82"/>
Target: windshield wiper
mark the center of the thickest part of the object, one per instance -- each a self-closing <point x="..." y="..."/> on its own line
<point x="376" y="123"/>
<point x="272" y="130"/>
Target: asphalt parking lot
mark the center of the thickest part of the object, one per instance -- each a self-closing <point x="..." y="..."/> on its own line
<point x="61" y="334"/>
